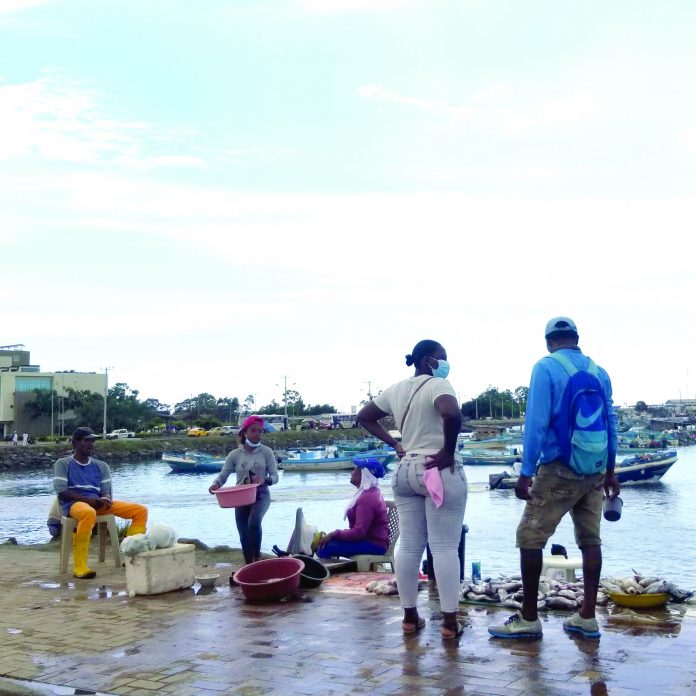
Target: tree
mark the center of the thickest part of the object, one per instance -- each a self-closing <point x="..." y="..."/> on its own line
<point x="641" y="407"/>
<point x="228" y="409"/>
<point x="41" y="403"/>
<point x="248" y="406"/>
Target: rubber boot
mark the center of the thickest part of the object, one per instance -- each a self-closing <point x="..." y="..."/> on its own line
<point x="132" y="531"/>
<point x="80" y="550"/>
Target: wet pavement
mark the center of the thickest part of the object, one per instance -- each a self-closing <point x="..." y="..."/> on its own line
<point x="61" y="634"/>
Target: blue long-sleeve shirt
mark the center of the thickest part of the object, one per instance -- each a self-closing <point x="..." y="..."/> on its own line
<point x="549" y="380"/>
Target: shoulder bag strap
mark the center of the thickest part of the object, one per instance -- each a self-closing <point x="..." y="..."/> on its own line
<point x="410" y="401"/>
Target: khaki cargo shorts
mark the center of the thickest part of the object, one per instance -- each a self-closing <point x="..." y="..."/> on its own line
<point x="557" y="490"/>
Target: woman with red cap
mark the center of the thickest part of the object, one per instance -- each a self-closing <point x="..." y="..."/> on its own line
<point x="252" y="462"/>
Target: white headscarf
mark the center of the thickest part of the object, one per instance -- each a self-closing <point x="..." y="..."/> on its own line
<point x="367" y="480"/>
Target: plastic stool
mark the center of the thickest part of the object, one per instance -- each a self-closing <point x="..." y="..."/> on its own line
<point x="567" y="564"/>
<point x="106" y="524"/>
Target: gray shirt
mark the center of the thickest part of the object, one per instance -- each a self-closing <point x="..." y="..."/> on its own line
<point x="261" y="463"/>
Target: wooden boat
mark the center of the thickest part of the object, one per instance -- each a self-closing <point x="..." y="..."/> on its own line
<point x="306" y="461"/>
<point x="649" y="467"/>
<point x="192" y="463"/>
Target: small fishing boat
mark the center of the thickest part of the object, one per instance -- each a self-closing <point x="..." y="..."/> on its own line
<point x="490" y="457"/>
<point x="192" y="462"/>
<point x="649" y="467"/>
<point x="333" y="461"/>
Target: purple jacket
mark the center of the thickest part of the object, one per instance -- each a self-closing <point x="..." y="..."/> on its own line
<point x="368" y="520"/>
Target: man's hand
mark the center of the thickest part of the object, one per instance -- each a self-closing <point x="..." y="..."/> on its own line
<point x="522" y="487"/>
<point x="101" y="503"/>
<point x="611" y="485"/>
<point x="440" y="459"/>
<point x="213" y="487"/>
<point x="400" y="451"/>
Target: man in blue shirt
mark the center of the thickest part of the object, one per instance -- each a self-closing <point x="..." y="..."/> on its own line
<point x="83" y="485"/>
<point x="557" y="488"/>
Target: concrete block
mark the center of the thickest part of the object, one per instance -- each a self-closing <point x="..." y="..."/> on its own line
<point x="162" y="570"/>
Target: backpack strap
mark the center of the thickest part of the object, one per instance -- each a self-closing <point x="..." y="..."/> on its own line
<point x="570" y="367"/>
<point x="565" y="361"/>
<point x="410" y="401"/>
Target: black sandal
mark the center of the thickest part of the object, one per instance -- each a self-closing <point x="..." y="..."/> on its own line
<point x="449" y="633"/>
<point x="410" y="627"/>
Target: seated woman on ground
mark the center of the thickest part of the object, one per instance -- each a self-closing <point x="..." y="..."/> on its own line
<point x="368" y="518"/>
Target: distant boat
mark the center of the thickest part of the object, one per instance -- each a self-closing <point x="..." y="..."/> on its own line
<point x="192" y="463"/>
<point x="309" y="461"/>
<point x="489" y="457"/>
<point x="649" y="467"/>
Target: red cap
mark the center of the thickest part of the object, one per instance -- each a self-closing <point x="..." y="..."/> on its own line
<point x="249" y="420"/>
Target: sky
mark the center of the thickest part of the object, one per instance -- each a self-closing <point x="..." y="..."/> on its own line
<point x="237" y="196"/>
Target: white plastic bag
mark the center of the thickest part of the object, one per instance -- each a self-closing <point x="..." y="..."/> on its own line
<point x="161" y="535"/>
<point x="133" y="545"/>
<point x="302" y="536"/>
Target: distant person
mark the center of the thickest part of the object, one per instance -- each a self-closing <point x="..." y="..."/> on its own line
<point x="426" y="413"/>
<point x="14" y="439"/>
<point x="367" y="515"/>
<point x="252" y="462"/>
<point x="25" y="438"/>
<point x="83" y="485"/>
<point x="571" y="449"/>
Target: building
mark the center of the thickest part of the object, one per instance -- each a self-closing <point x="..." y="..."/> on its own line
<point x="18" y="381"/>
<point x="683" y="406"/>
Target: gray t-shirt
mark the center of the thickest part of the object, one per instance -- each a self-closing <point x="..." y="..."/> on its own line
<point x="261" y="463"/>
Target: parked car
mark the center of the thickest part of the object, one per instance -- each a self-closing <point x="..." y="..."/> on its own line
<point x="224" y="430"/>
<point x="197" y="432"/>
<point x="119" y="434"/>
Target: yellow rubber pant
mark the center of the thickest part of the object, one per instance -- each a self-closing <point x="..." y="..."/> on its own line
<point x="86" y="515"/>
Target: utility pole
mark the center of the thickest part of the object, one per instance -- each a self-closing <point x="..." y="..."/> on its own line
<point x="369" y="389"/>
<point x="106" y="394"/>
<point x="285" y="396"/>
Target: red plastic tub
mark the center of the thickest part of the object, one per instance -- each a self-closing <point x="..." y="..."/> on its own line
<point x="236" y="496"/>
<point x="271" y="579"/>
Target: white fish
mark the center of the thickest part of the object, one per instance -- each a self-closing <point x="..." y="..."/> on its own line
<point x="656" y="587"/>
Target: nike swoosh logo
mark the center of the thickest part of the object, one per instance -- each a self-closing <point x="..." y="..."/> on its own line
<point x="587" y="421"/>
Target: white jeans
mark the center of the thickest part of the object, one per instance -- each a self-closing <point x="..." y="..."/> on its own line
<point x="420" y="522"/>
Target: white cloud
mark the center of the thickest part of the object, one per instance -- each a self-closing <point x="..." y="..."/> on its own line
<point x="56" y="119"/>
<point x="345" y="6"/>
<point x="9" y="6"/>
<point x="498" y="107"/>
<point x="434" y="107"/>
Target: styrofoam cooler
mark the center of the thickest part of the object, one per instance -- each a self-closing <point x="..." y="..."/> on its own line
<point x="162" y="570"/>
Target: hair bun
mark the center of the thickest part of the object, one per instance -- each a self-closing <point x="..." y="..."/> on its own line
<point x="409" y="360"/>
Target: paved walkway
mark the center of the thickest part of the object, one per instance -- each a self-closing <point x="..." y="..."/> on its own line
<point x="90" y="635"/>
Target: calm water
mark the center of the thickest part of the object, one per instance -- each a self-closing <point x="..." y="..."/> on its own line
<point x="653" y="535"/>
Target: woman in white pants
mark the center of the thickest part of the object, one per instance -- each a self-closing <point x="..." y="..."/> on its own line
<point x="426" y="411"/>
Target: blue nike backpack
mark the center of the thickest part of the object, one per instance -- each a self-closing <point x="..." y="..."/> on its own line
<point x="582" y="424"/>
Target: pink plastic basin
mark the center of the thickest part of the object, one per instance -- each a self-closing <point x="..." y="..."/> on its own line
<point x="236" y="496"/>
<point x="270" y="579"/>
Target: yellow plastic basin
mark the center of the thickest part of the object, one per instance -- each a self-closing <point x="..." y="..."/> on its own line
<point x="640" y="601"/>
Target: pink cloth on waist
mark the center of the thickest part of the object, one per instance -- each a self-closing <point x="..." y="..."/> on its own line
<point x="433" y="483"/>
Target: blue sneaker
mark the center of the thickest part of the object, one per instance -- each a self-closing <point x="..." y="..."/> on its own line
<point x="517" y="627"/>
<point x="587" y="628"/>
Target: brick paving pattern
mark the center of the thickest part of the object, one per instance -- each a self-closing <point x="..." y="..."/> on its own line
<point x="91" y="635"/>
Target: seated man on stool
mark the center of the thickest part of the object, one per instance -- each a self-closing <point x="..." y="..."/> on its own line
<point x="83" y="486"/>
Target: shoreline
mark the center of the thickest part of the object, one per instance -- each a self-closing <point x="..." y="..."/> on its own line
<point x="45" y="454"/>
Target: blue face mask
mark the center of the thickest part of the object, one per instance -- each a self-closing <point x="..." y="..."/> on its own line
<point x="251" y="444"/>
<point x="442" y="369"/>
